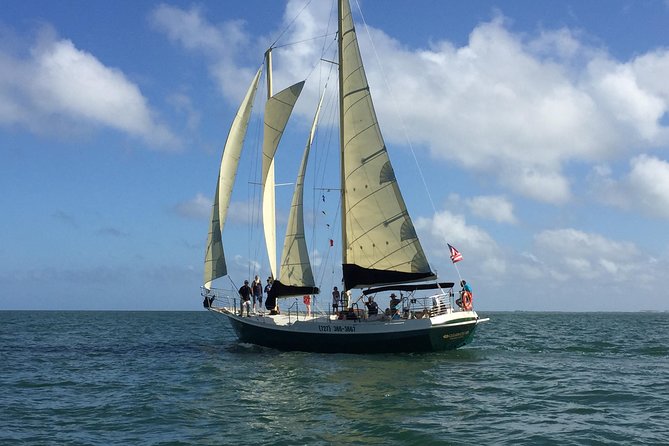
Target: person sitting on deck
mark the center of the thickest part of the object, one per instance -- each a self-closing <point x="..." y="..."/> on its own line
<point x="465" y="300"/>
<point x="394" y="302"/>
<point x="351" y="314"/>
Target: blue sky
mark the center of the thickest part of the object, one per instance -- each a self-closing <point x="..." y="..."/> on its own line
<point x="541" y="128"/>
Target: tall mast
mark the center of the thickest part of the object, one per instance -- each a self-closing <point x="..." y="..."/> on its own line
<point x="340" y="54"/>
<point x="269" y="194"/>
<point x="268" y="62"/>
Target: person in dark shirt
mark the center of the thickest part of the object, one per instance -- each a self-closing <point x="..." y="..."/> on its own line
<point x="336" y="297"/>
<point x="245" y="295"/>
<point x="372" y="307"/>
<point x="208" y="301"/>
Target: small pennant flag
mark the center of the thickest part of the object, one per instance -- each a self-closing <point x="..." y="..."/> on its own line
<point x="455" y="254"/>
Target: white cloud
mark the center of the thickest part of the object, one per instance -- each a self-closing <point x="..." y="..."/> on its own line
<point x="494" y="207"/>
<point x="518" y="107"/>
<point x="475" y="244"/>
<point x="60" y="88"/>
<point x="198" y="207"/>
<point x="571" y="254"/>
<point x="220" y="43"/>
<point x="191" y="29"/>
<point x="649" y="185"/>
<point x="645" y="188"/>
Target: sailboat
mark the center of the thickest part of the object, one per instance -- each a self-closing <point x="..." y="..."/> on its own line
<point x="381" y="251"/>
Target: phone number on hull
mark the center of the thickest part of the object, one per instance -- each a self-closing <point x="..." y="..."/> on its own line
<point x="336" y="328"/>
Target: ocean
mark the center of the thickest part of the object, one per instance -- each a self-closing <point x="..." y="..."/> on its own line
<point x="181" y="378"/>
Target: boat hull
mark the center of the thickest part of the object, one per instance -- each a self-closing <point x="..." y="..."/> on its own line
<point x="334" y="336"/>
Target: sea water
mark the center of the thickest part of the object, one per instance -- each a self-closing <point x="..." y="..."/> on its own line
<point x="176" y="378"/>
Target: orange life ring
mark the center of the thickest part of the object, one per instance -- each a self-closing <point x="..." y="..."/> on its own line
<point x="467" y="301"/>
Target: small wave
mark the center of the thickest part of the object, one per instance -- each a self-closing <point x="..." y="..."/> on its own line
<point x="658" y="351"/>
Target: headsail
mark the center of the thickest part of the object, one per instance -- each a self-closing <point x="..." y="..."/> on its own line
<point x="214" y="259"/>
<point x="380" y="245"/>
<point x="277" y="112"/>
<point x="296" y="276"/>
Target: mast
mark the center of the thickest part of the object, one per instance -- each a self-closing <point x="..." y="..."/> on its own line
<point x="268" y="62"/>
<point x="269" y="194"/>
<point x="342" y="186"/>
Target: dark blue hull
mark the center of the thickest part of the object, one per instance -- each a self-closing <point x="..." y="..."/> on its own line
<point x="349" y="340"/>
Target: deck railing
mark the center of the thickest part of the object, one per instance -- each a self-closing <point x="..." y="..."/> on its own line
<point x="411" y="307"/>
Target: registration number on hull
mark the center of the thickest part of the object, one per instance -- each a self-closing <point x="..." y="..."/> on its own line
<point x="336" y="328"/>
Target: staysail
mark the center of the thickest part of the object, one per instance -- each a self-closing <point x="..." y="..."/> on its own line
<point x="277" y="112"/>
<point x="379" y="242"/>
<point x="214" y="259"/>
<point x="296" y="276"/>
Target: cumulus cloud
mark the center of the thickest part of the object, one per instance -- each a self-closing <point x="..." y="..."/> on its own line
<point x="493" y="207"/>
<point x="568" y="254"/>
<point x="519" y="107"/>
<point x="57" y="87"/>
<point x="198" y="207"/>
<point x="644" y="188"/>
<point x="474" y="243"/>
<point x="222" y="44"/>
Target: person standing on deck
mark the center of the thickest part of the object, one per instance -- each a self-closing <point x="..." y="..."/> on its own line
<point x="269" y="285"/>
<point x="307" y="303"/>
<point x="256" y="287"/>
<point x="372" y="308"/>
<point x="336" y="296"/>
<point x="245" y="295"/>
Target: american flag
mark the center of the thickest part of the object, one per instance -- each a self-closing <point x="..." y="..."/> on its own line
<point x="455" y="254"/>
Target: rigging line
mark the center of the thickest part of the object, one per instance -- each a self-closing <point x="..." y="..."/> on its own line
<point x="316" y="163"/>
<point x="396" y="107"/>
<point x="319" y="168"/>
<point x="290" y="24"/>
<point x="297" y="42"/>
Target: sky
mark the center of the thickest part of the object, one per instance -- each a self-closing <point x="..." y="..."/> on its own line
<point x="532" y="135"/>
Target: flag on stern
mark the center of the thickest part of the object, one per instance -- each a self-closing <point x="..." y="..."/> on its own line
<point x="455" y="254"/>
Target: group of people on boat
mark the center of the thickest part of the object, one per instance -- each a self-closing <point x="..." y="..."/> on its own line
<point x="343" y="308"/>
<point x="251" y="296"/>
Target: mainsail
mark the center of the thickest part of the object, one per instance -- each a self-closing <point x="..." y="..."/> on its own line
<point x="296" y="276"/>
<point x="379" y="242"/>
<point x="277" y="112"/>
<point x="214" y="259"/>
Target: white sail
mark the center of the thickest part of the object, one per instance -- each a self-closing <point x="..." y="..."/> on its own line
<point x="380" y="245"/>
<point x="295" y="265"/>
<point x="214" y="260"/>
<point x="277" y="112"/>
